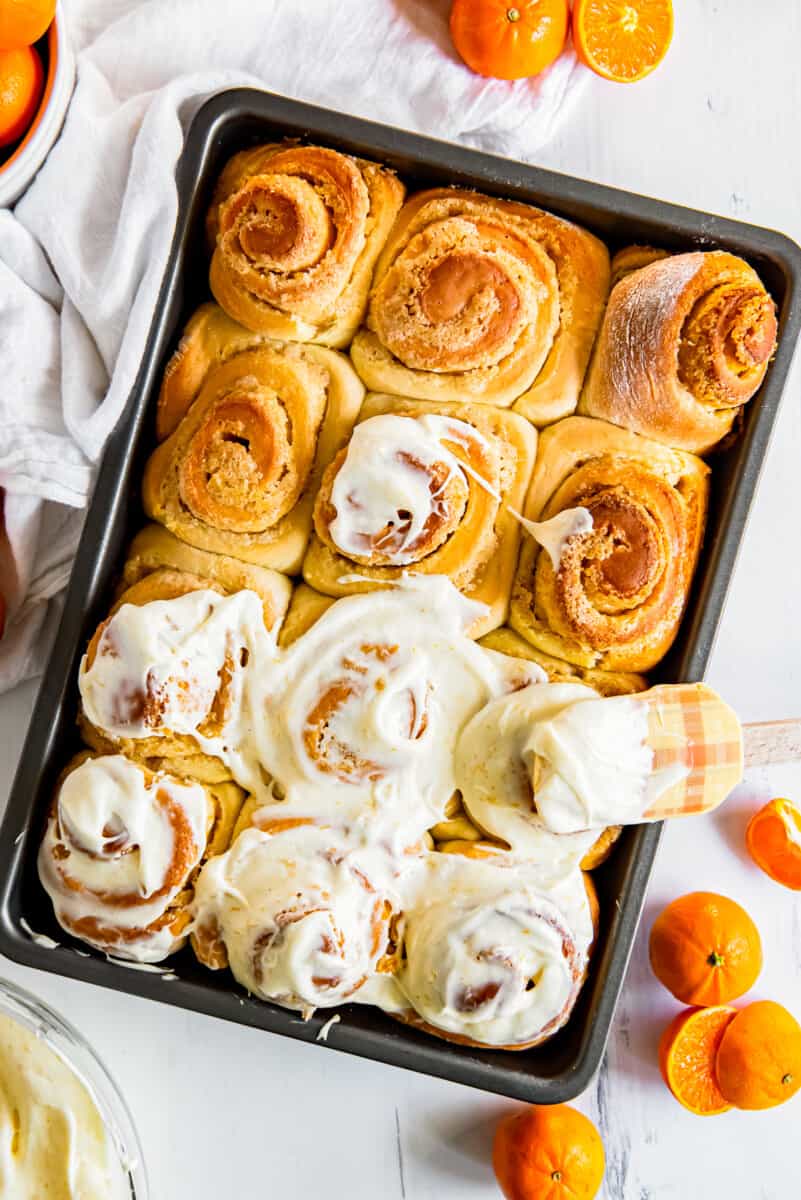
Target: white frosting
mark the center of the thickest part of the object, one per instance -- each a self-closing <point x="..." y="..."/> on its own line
<point x="365" y="727"/>
<point x="595" y="764"/>
<point x="301" y="921"/>
<point x="53" y="1140"/>
<point x="493" y="771"/>
<point x="384" y="485"/>
<point x="119" y="834"/>
<point x="159" y="666"/>
<point x="554" y="534"/>
<point x="496" y="952"/>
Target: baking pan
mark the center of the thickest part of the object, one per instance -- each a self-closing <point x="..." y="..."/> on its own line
<point x="563" y="1066"/>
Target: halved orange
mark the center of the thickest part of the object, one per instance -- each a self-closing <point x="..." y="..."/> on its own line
<point x="773" y="839"/>
<point x="622" y="40"/>
<point x="687" y="1052"/>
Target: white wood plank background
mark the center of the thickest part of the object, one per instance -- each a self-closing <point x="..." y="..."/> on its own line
<point x="226" y="1111"/>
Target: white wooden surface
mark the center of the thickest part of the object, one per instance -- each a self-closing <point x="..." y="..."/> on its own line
<point x="227" y="1111"/>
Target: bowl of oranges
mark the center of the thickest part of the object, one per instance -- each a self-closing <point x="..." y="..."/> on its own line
<point x="37" y="71"/>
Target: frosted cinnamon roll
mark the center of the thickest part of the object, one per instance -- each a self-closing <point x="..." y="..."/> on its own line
<point x="684" y="344"/>
<point x="424" y="488"/>
<point x="248" y="425"/>
<point x="480" y="299"/>
<point x="295" y="916"/>
<point x="615" y="527"/>
<point x="495" y="955"/>
<point x="295" y="232"/>
<point x="121" y="850"/>
<point x="163" y="675"/>
<point x="363" y="711"/>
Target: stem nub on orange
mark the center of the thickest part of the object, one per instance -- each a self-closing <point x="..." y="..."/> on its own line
<point x="758" y="1062"/>
<point x="22" y="22"/>
<point x="705" y="949"/>
<point x="773" y="839"/>
<point x="509" y="39"/>
<point x="548" y="1152"/>
<point x="622" y="40"/>
<point x="21" y="82"/>
<point x="687" y="1052"/>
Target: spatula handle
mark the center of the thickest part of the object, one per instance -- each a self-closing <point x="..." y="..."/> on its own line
<point x="767" y="742"/>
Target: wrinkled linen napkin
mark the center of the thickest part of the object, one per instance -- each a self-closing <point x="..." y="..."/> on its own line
<point x="82" y="255"/>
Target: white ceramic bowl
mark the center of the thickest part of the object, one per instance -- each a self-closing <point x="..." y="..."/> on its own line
<point x="18" y="170"/>
<point x="73" y="1049"/>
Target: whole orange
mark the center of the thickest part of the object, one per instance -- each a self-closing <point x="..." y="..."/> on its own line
<point x="21" y="81"/>
<point x="509" y="39"/>
<point x="705" y="949"/>
<point x="548" y="1152"/>
<point x="22" y="22"/>
<point x="758" y="1063"/>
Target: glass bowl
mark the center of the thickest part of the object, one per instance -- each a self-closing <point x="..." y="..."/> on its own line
<point x="72" y="1048"/>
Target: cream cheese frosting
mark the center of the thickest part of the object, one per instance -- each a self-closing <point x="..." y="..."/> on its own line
<point x="554" y="534"/>
<point x="53" y="1141"/>
<point x="354" y="740"/>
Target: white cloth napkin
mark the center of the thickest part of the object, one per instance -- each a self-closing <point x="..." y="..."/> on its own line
<point x="82" y="256"/>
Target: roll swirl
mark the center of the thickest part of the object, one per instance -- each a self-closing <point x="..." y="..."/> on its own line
<point x="614" y="597"/>
<point x="121" y="849"/>
<point x="423" y="488"/>
<point x="483" y="300"/>
<point x="249" y="425"/>
<point x="684" y="344"/>
<point x="295" y="232"/>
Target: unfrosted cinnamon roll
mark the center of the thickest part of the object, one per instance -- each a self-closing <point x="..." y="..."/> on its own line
<point x="296" y="231"/>
<point x="162" y="678"/>
<point x="121" y="850"/>
<point x="424" y="488"/>
<point x="685" y="342"/>
<point x="249" y="426"/>
<point x="295" y="915"/>
<point x="495" y="954"/>
<point x="479" y="299"/>
<point x="622" y="519"/>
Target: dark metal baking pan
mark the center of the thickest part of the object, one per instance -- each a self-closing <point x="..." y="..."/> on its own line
<point x="563" y="1066"/>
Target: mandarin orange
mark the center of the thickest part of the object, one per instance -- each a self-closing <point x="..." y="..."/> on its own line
<point x="509" y="39"/>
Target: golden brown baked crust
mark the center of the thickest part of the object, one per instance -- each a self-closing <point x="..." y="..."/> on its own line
<point x="479" y="299"/>
<point x="296" y="231"/>
<point x="154" y="549"/>
<point x="475" y="544"/>
<point x="249" y="425"/>
<point x="620" y="591"/>
<point x="684" y="344"/>
<point x="606" y="683"/>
